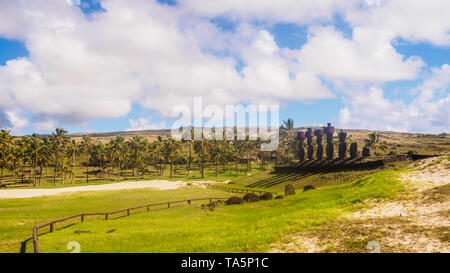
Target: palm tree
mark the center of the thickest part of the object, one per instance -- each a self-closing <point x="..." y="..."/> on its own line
<point x="13" y="156"/>
<point x="171" y="149"/>
<point x="118" y="152"/>
<point x="189" y="156"/>
<point x="287" y="124"/>
<point x="287" y="130"/>
<point x="87" y="147"/>
<point x="22" y="148"/>
<point x="217" y="154"/>
<point x="37" y="150"/>
<point x="101" y="154"/>
<point x="5" y="143"/>
<point x="59" y="141"/>
<point x="156" y="155"/>
<point x="73" y="150"/>
<point x="47" y="159"/>
<point x="136" y="145"/>
<point x="373" y="142"/>
<point x="67" y="168"/>
<point x="201" y="148"/>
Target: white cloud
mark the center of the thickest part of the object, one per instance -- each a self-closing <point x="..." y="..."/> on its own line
<point x="373" y="111"/>
<point x="45" y="125"/>
<point x="413" y="20"/>
<point x="366" y="58"/>
<point x="14" y="120"/>
<point x="139" y="51"/>
<point x="298" y="11"/>
<point x="145" y="124"/>
<point x="271" y="74"/>
<point x="84" y="67"/>
<point x="426" y="113"/>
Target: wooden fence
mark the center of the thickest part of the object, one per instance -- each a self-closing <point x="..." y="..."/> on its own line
<point x="238" y="190"/>
<point x="108" y="214"/>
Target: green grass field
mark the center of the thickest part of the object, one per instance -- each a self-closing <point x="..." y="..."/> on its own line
<point x="251" y="227"/>
<point x="18" y="216"/>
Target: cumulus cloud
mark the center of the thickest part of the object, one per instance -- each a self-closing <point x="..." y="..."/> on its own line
<point x="428" y="112"/>
<point x="298" y="11"/>
<point x="14" y="120"/>
<point x="367" y="57"/>
<point x="373" y="111"/>
<point x="138" y="51"/>
<point x="412" y="20"/>
<point x="81" y="67"/>
<point x="145" y="124"/>
<point x="45" y="125"/>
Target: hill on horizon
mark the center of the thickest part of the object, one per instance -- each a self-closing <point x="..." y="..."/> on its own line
<point x="396" y="142"/>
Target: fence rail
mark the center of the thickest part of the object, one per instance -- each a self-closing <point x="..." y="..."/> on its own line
<point x="238" y="190"/>
<point x="107" y="214"/>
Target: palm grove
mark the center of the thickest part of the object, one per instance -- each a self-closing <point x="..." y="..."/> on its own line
<point x="59" y="159"/>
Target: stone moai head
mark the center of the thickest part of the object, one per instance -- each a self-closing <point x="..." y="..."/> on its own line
<point x="301" y="136"/>
<point x="319" y="133"/>
<point x="289" y="189"/>
<point x="353" y="150"/>
<point x="310" y="133"/>
<point x="319" y="136"/>
<point x="301" y="150"/>
<point x="342" y="136"/>
<point x="342" y="145"/>
<point x="329" y="131"/>
<point x="366" y="151"/>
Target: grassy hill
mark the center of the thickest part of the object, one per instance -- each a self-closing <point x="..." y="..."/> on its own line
<point x="250" y="227"/>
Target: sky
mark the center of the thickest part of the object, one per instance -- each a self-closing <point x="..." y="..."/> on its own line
<point x="114" y="65"/>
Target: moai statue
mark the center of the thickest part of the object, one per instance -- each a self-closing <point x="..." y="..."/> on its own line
<point x="366" y="151"/>
<point x="354" y="150"/>
<point x="319" y="141"/>
<point x="309" y="136"/>
<point x="342" y="145"/>
<point x="329" y="131"/>
<point x="289" y="190"/>
<point x="301" y="146"/>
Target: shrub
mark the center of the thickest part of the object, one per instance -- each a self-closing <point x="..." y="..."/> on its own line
<point x="251" y="197"/>
<point x="266" y="196"/>
<point x="234" y="200"/>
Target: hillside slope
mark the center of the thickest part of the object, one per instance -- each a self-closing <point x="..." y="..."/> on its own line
<point x="416" y="221"/>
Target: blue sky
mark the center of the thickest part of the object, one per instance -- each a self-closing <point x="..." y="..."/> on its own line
<point x="290" y="37"/>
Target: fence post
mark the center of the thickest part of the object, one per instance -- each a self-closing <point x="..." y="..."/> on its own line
<point x="148" y="208"/>
<point x="82" y="217"/>
<point x="35" y="240"/>
<point x="128" y="212"/>
<point x="168" y="204"/>
<point x="51" y="227"/>
<point x="189" y="202"/>
<point x="106" y="216"/>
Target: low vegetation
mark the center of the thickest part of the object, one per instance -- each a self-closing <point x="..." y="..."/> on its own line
<point x="18" y="216"/>
<point x="250" y="227"/>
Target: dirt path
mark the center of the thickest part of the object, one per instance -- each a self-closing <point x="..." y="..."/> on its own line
<point x="156" y="184"/>
<point x="418" y="222"/>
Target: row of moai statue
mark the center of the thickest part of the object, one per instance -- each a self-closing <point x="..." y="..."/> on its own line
<point x="319" y="134"/>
